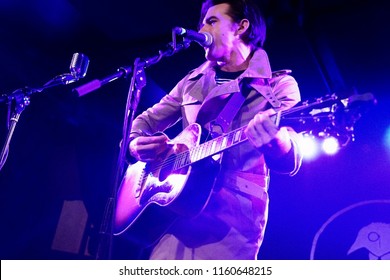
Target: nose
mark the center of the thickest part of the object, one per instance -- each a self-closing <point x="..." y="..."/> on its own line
<point x="203" y="29"/>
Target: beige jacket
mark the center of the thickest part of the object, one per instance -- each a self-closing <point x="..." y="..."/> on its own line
<point x="232" y="225"/>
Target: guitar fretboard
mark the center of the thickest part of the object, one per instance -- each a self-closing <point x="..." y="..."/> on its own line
<point x="238" y="136"/>
<point x="210" y="148"/>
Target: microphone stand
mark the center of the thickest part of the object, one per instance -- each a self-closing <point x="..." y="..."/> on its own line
<point x="78" y="68"/>
<point x="137" y="83"/>
<point x="22" y="99"/>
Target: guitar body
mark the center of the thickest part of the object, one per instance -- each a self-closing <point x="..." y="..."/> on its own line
<point x="153" y="195"/>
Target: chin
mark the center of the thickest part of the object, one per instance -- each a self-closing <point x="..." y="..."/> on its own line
<point x="209" y="56"/>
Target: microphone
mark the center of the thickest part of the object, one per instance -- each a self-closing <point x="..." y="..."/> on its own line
<point x="79" y="65"/>
<point x="202" y="38"/>
<point x="78" y="69"/>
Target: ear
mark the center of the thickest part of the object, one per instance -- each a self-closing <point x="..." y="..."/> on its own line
<point x="243" y="26"/>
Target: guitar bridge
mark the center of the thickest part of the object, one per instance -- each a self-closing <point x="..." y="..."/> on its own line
<point x="140" y="183"/>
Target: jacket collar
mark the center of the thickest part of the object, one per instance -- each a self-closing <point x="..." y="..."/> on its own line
<point x="259" y="67"/>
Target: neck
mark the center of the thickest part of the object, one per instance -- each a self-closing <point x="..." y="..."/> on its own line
<point x="238" y="60"/>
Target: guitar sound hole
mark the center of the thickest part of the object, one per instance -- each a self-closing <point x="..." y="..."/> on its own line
<point x="169" y="168"/>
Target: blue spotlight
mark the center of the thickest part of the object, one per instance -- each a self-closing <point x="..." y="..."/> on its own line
<point x="387" y="138"/>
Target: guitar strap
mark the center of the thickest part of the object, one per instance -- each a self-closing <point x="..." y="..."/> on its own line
<point x="222" y="122"/>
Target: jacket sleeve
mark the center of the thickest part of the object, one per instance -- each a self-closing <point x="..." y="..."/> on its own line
<point x="287" y="91"/>
<point x="161" y="116"/>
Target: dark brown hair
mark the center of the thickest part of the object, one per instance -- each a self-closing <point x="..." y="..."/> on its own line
<point x="239" y="10"/>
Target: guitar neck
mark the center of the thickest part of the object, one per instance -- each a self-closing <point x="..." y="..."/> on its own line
<point x="238" y="136"/>
<point x="224" y="142"/>
<point x="210" y="148"/>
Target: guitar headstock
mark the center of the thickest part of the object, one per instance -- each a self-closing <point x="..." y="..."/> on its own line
<point x="329" y="116"/>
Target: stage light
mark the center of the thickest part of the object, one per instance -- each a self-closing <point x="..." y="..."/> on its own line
<point x="330" y="145"/>
<point x="309" y="147"/>
<point x="313" y="146"/>
<point x="387" y="138"/>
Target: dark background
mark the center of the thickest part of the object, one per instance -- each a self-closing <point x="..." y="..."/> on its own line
<point x="65" y="148"/>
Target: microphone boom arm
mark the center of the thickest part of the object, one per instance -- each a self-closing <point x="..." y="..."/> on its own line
<point x="21" y="98"/>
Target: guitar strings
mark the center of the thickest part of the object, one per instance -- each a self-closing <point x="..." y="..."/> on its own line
<point x="197" y="153"/>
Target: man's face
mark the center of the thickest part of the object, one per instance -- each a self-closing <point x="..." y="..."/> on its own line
<point x="220" y="25"/>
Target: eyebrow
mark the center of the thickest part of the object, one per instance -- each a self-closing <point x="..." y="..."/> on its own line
<point x="210" y="18"/>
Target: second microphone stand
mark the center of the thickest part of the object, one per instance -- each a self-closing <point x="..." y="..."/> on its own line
<point x="20" y="98"/>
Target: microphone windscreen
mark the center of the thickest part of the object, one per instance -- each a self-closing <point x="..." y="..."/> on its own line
<point x="79" y="65"/>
